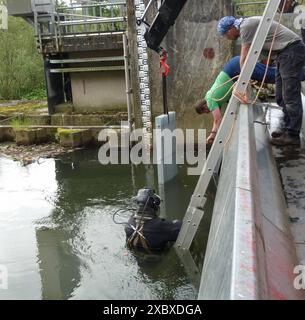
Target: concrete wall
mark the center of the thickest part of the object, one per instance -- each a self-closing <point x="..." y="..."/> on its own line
<point x="19" y="8"/>
<point x="98" y="90"/>
<point x="24" y="8"/>
<point x="191" y="72"/>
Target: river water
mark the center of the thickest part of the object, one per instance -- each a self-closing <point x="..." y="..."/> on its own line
<point x="58" y="239"/>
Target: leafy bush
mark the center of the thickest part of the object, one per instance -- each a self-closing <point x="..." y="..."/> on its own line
<point x="36" y="94"/>
<point x="21" y="66"/>
<point x="19" y="123"/>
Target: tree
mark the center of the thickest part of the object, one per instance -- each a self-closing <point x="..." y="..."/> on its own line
<point x="21" y="66"/>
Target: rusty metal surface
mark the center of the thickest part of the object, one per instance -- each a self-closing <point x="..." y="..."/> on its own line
<point x="249" y="270"/>
<point x="280" y="251"/>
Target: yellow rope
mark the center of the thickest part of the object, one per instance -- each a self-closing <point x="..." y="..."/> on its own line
<point x="220" y="86"/>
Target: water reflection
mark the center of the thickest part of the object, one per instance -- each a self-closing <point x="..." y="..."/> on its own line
<point x="59" y="268"/>
<point x="68" y="246"/>
<point x="82" y="253"/>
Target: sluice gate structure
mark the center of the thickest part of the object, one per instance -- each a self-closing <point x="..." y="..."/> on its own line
<point x="251" y="251"/>
<point x="85" y="51"/>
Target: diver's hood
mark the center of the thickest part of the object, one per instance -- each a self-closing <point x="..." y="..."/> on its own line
<point x="148" y="214"/>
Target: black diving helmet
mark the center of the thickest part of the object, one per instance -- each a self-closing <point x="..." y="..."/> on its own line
<point x="147" y="198"/>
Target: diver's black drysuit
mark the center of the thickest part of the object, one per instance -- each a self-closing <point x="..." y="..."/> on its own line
<point x="155" y="233"/>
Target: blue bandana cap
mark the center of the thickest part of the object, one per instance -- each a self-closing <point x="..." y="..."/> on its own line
<point x="226" y="23"/>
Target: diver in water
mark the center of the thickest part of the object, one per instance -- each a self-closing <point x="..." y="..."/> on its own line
<point x="145" y="230"/>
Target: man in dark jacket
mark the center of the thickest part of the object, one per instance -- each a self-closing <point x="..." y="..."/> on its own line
<point x="145" y="230"/>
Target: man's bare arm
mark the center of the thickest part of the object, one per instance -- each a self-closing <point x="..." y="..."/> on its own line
<point x="243" y="54"/>
<point x="217" y="117"/>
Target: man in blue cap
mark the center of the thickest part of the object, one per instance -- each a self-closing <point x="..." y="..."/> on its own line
<point x="290" y="53"/>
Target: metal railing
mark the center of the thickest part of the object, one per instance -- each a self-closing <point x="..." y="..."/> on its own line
<point x="77" y="19"/>
<point x="247" y="9"/>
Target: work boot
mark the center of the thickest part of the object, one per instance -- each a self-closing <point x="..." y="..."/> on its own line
<point x="286" y="139"/>
<point x="278" y="132"/>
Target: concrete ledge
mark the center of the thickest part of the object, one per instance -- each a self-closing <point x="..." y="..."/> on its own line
<point x="25" y="136"/>
<point x="7" y="134"/>
<point x="74" y="138"/>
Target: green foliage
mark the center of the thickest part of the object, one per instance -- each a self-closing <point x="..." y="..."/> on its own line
<point x="65" y="133"/>
<point x="19" y="123"/>
<point x="36" y="94"/>
<point x="21" y="66"/>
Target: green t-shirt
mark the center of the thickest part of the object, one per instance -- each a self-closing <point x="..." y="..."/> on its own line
<point x="216" y="92"/>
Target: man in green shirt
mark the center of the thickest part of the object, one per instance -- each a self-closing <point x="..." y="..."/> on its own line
<point x="221" y="91"/>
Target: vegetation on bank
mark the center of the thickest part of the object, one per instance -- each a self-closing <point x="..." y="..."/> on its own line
<point x="22" y="107"/>
<point x="21" y="66"/>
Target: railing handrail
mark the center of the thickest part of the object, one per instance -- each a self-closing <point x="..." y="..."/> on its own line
<point x="91" y="21"/>
<point x="241" y="4"/>
<point x="59" y="22"/>
<point x="80" y="6"/>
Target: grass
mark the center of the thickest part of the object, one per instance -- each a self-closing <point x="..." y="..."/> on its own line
<point x="26" y="107"/>
<point x="36" y="94"/>
<point x="68" y="131"/>
<point x="65" y="132"/>
<point x="19" y="124"/>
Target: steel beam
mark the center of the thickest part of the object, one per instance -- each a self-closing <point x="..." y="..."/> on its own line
<point x="87" y="69"/>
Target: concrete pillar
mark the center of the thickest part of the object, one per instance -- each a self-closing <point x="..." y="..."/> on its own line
<point x="54" y="86"/>
<point x="166" y="148"/>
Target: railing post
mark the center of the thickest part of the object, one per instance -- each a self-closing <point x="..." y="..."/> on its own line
<point x="127" y="81"/>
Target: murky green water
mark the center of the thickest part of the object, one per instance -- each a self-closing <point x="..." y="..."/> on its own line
<point x="58" y="239"/>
